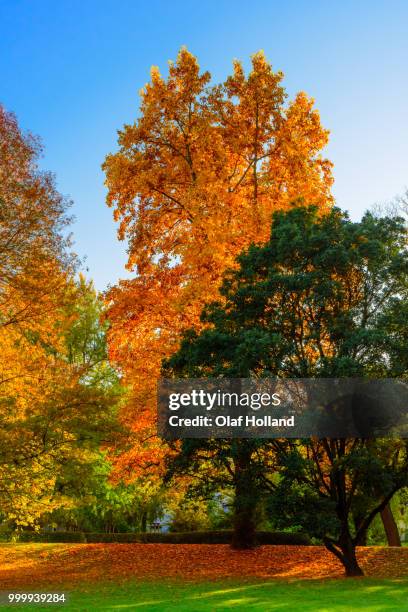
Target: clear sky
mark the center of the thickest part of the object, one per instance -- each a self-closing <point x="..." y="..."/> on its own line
<point x="71" y="71"/>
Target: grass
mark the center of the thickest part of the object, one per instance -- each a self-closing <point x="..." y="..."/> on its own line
<point x="369" y="594"/>
<point x="197" y="578"/>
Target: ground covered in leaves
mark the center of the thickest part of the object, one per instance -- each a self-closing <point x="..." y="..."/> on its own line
<point x="35" y="565"/>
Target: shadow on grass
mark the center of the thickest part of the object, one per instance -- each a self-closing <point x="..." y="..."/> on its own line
<point x="295" y="596"/>
<point x="366" y="594"/>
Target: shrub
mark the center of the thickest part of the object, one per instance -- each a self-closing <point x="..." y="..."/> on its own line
<point x="193" y="537"/>
<point x="224" y="537"/>
<point x="125" y="538"/>
<point x="50" y="537"/>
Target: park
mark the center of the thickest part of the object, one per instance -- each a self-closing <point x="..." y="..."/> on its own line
<point x="168" y="252"/>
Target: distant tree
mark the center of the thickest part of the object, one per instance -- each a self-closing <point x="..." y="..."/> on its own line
<point x="325" y="297"/>
<point x="92" y="502"/>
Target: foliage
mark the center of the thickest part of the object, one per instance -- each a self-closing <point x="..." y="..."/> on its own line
<point x="101" y="505"/>
<point x="54" y="420"/>
<point x="57" y="393"/>
<point x="191" y="516"/>
<point x="223" y="536"/>
<point x="195" y="180"/>
<point x="64" y="566"/>
<point x="325" y="297"/>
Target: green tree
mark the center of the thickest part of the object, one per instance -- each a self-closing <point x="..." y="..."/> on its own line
<point x="239" y="464"/>
<point x="92" y="502"/>
<point x="325" y="297"/>
<point x="96" y="397"/>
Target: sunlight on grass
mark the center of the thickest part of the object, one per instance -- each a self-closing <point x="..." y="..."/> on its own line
<point x="140" y="604"/>
<point x="317" y="596"/>
<point x="367" y="594"/>
<point x="233" y="590"/>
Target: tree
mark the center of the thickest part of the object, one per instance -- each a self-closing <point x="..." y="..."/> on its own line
<point x="195" y="181"/>
<point x="55" y="407"/>
<point x="34" y="255"/>
<point x="239" y="465"/>
<point x="91" y="502"/>
<point x="56" y="411"/>
<point x="325" y="297"/>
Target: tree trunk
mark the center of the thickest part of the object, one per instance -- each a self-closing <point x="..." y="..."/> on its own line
<point x="246" y="498"/>
<point x="351" y="564"/>
<point x="143" y="522"/>
<point x="390" y="527"/>
<point x="358" y="519"/>
<point x="363" y="539"/>
<point x="345" y="551"/>
<point x="244" y="535"/>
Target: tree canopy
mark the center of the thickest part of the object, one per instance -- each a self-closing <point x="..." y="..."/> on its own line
<point x="195" y="180"/>
<point x="57" y="392"/>
<point x="324" y="297"/>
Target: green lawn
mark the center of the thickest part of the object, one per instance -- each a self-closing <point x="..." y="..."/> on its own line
<point x="317" y="596"/>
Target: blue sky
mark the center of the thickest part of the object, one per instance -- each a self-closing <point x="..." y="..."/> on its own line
<point x="71" y="71"/>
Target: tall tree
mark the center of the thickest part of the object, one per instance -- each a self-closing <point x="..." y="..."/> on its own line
<point x="195" y="180"/>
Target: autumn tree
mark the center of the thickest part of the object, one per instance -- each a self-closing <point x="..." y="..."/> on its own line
<point x="195" y="180"/>
<point x="33" y="216"/>
<point x="57" y="407"/>
<point x="54" y="396"/>
<point x="92" y="503"/>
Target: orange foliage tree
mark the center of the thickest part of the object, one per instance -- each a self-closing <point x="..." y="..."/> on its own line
<point x="47" y="402"/>
<point x="195" y="181"/>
